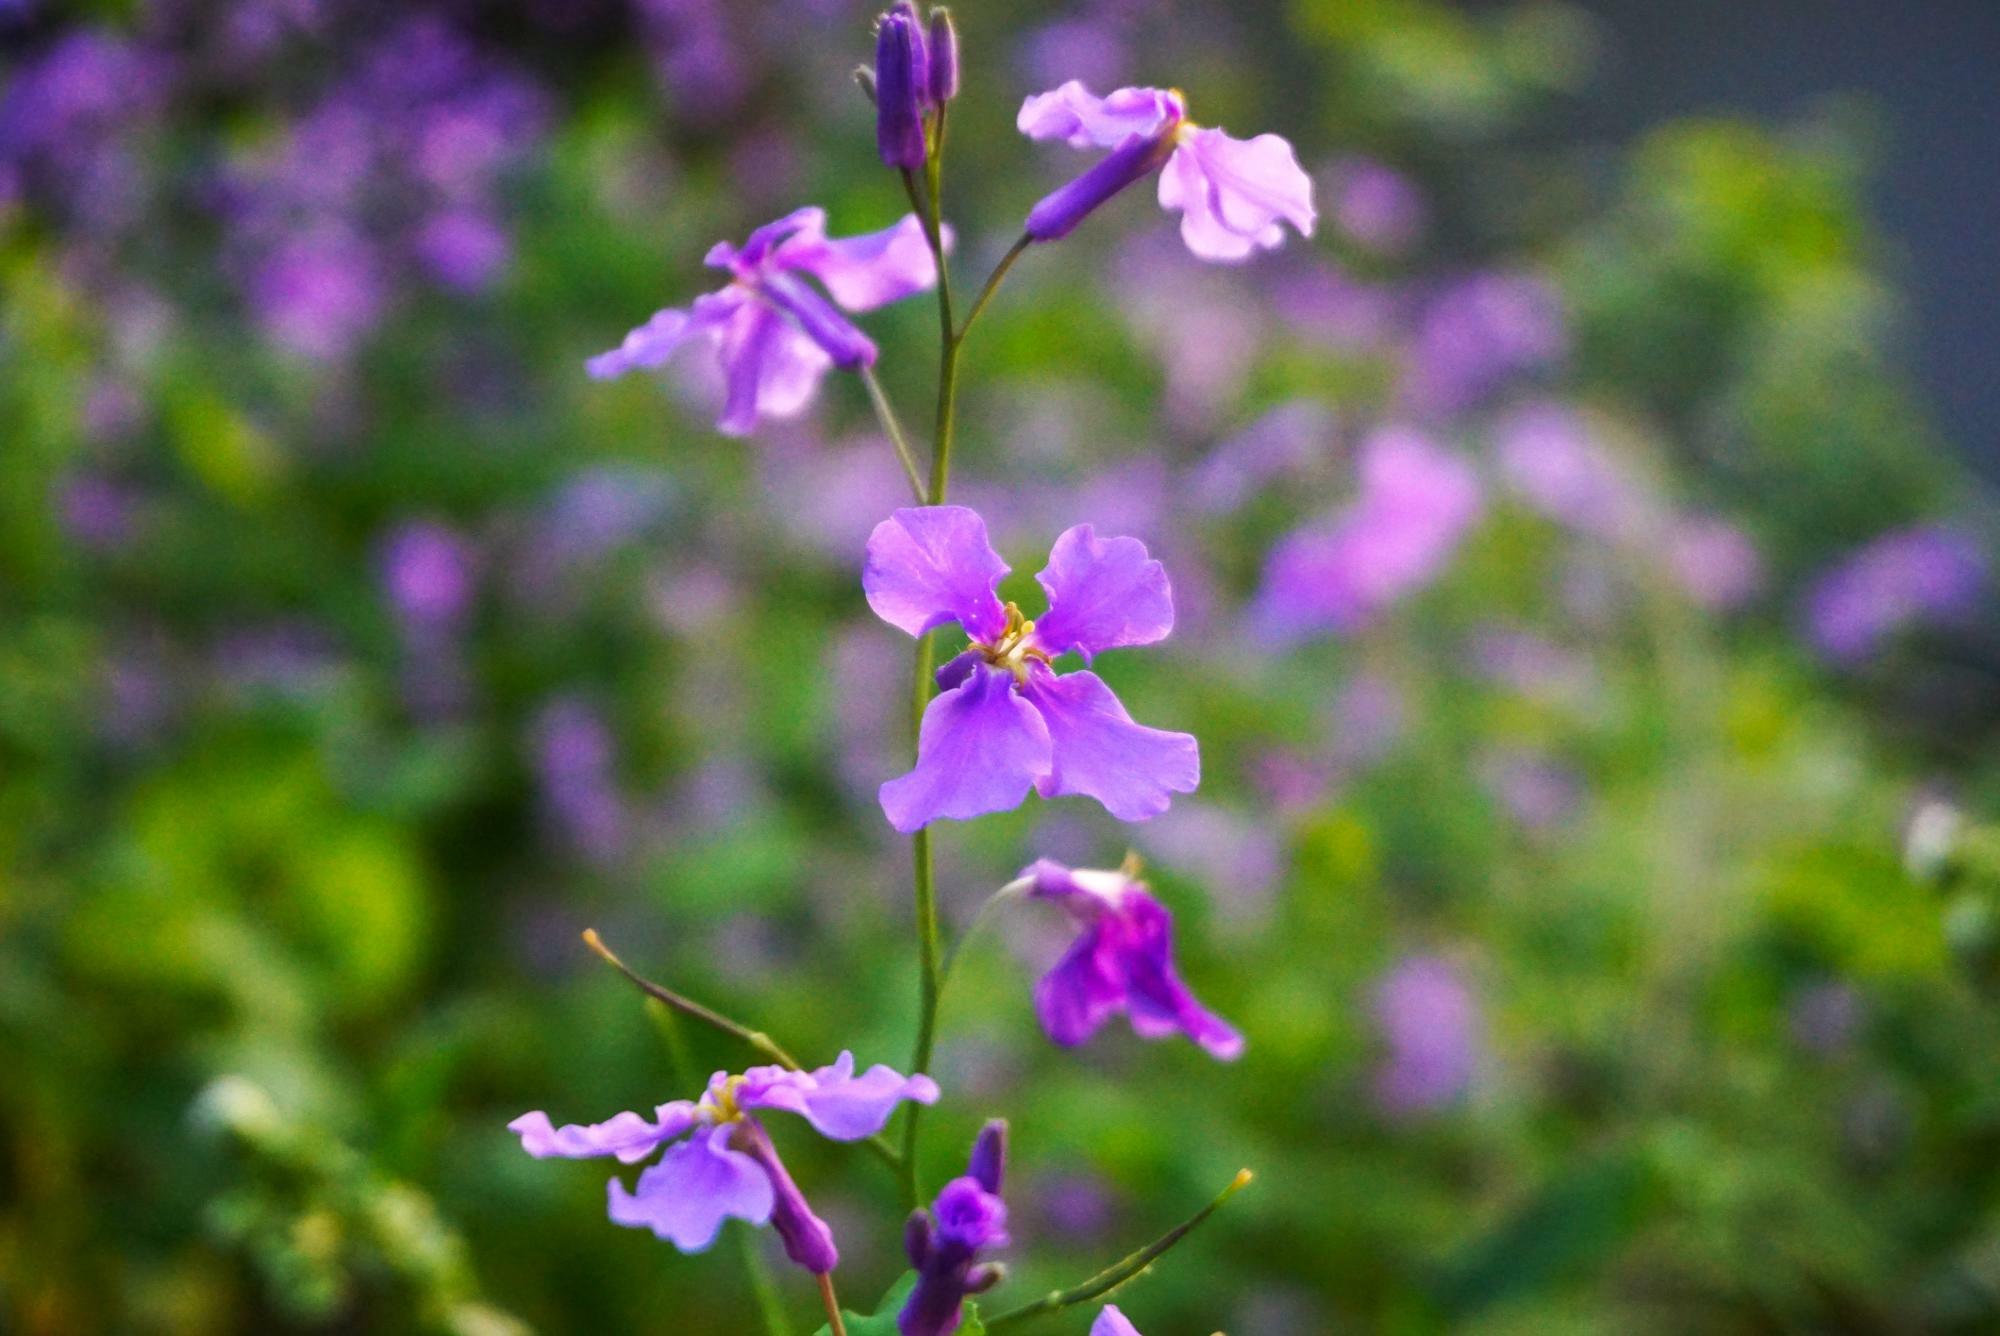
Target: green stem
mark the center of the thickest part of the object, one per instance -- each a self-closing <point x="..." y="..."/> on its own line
<point x="929" y="982"/>
<point x="887" y="417"/>
<point x="1015" y="252"/>
<point x="1115" y="1275"/>
<point x="836" y="1324"/>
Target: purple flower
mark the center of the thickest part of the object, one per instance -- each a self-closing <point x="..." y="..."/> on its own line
<point x="99" y="514"/>
<point x="1715" y="562"/>
<point x="1111" y="1322"/>
<point x="1909" y="576"/>
<point x="1123" y="961"/>
<point x="1553" y="460"/>
<point x="1232" y="194"/>
<point x="721" y="1163"/>
<point x="1430" y="1023"/>
<point x="576" y="764"/>
<point x="1477" y="333"/>
<point x="944" y="1243"/>
<point x="774" y="335"/>
<point x="1416" y="502"/>
<point x="1376" y="206"/>
<point x="1005" y="720"/>
<point x="428" y="573"/>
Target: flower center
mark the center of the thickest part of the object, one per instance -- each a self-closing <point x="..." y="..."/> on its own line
<point x="718" y="1104"/>
<point x="1014" y="647"/>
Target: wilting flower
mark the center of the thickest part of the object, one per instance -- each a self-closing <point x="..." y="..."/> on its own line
<point x="1430" y="1022"/>
<point x="944" y="1243"/>
<point x="1005" y="719"/>
<point x="776" y="336"/>
<point x="1912" y="575"/>
<point x="1111" y="1322"/>
<point x="722" y="1163"/>
<point x="1123" y="961"/>
<point x="1416" y="502"/>
<point x="1232" y="194"/>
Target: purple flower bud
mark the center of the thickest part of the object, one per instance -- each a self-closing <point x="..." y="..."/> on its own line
<point x="917" y="1238"/>
<point x="920" y="68"/>
<point x="899" y="91"/>
<point x="943" y="74"/>
<point x="807" y="1239"/>
<point x="989" y="1155"/>
<point x="984" y="1277"/>
<point x="1059" y="212"/>
<point x="849" y="348"/>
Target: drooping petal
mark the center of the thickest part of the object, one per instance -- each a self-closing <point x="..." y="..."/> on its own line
<point x="801" y="227"/>
<point x="1183" y="187"/>
<point x="1081" y="119"/>
<point x="1233" y="193"/>
<point x="770" y="368"/>
<point x="808" y="1240"/>
<point x="1104" y="593"/>
<point x="652" y="343"/>
<point x="1082" y="991"/>
<point x="839" y="1104"/>
<point x="1111" y="1322"/>
<point x="869" y="270"/>
<point x="980" y="749"/>
<point x="1098" y="752"/>
<point x="629" y="1136"/>
<point x="697" y="1185"/>
<point x="1159" y="1002"/>
<point x="929" y="565"/>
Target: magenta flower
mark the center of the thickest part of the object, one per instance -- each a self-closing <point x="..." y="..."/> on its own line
<point x="1416" y="502"/>
<point x="1005" y="720"/>
<point x="1123" y="961"/>
<point x="1111" y="1322"/>
<point x="1232" y="194"/>
<point x="775" y="335"/>
<point x="721" y="1163"/>
<point x="944" y="1243"/>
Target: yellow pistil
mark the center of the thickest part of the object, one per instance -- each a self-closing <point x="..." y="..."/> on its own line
<point x="719" y="1106"/>
<point x="1014" y="647"/>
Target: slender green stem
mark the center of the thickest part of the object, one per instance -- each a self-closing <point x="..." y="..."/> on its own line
<point x="709" y="1016"/>
<point x="929" y="983"/>
<point x="1115" y="1275"/>
<point x="836" y="1324"/>
<point x="887" y="417"/>
<point x="993" y="280"/>
<point x="1007" y="892"/>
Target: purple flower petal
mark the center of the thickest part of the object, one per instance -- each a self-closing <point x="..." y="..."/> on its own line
<point x="697" y="1185"/>
<point x="1160" y="1003"/>
<point x="980" y="748"/>
<point x="1104" y="593"/>
<point x="929" y="565"/>
<point x="838" y="1104"/>
<point x="1232" y="193"/>
<point x="801" y="227"/>
<point x="1098" y="752"/>
<point x="1111" y="1322"/>
<point x="652" y="343"/>
<point x="629" y="1136"/>
<point x="870" y="270"/>
<point x="1081" y="119"/>
<point x="770" y="366"/>
<point x="1082" y="991"/>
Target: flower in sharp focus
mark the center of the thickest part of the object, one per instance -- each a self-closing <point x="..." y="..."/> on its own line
<point x="1005" y="720"/>
<point x="1111" y="1322"/>
<point x="1233" y="195"/>
<point x="721" y="1162"/>
<point x="944" y="1243"/>
<point x="774" y="334"/>
<point x="1123" y="961"/>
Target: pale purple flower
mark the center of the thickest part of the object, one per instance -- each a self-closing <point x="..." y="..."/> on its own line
<point x="1908" y="577"/>
<point x="1233" y="195"/>
<point x="1430" y="1024"/>
<point x="1005" y="720"/>
<point x="1715" y="562"/>
<point x="1376" y="207"/>
<point x="1282" y="443"/>
<point x="1122" y="962"/>
<point x="774" y="335"/>
<point x="1111" y="1322"/>
<point x="720" y="1162"/>
<point x="98" y="514"/>
<point x="944" y="1243"/>
<point x="1537" y="792"/>
<point x="465" y="250"/>
<point x="576" y="762"/>
<point x="1088" y="48"/>
<point x="1532" y="665"/>
<point x="427" y="569"/>
<point x="1416" y="502"/>
<point x="1551" y="458"/>
<point x="1479" y="332"/>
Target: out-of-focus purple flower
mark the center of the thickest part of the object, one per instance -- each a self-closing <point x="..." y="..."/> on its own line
<point x="98" y="514"/>
<point x="1552" y="459"/>
<point x="944" y="1243"/>
<point x="1232" y="194"/>
<point x="1536" y="791"/>
<point x="721" y="1163"/>
<point x="1196" y="321"/>
<point x="1337" y="311"/>
<point x="1368" y="716"/>
<point x="1430" y="1025"/>
<point x="1088" y="49"/>
<point x="1280" y="444"/>
<point x="1825" y="1016"/>
<point x="700" y="61"/>
<point x="1111" y="1322"/>
<point x="1476" y="334"/>
<point x="1075" y="1207"/>
<point x="575" y="761"/>
<point x="1415" y="504"/>
<point x="463" y="249"/>
<point x="1122" y="962"/>
<point x="289" y="658"/>
<point x="1376" y="207"/>
<point x="774" y="335"/>
<point x="64" y="118"/>
<point x="138" y="699"/>
<point x="600" y="510"/>
<point x="1004" y="720"/>
<point x="943" y="57"/>
<point x="1532" y="665"/>
<point x="319" y="295"/>
<point x="427" y="569"/>
<point x="1241" y="860"/>
<point x="1904" y="578"/>
<point x="1715" y="562"/>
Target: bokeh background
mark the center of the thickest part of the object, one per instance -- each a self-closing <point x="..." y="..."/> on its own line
<point x="1609" y="901"/>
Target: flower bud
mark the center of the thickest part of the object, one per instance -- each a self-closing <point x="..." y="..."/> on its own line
<point x="943" y="57"/>
<point x="917" y="1238"/>
<point x="807" y="1239"/>
<point x="899" y="92"/>
<point x="984" y="1277"/>
<point x="1059" y="212"/>
<point x="849" y="348"/>
<point x="989" y="1156"/>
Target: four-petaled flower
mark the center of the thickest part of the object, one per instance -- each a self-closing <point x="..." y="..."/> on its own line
<point x="774" y="334"/>
<point x="1232" y="194"/>
<point x="726" y="1165"/>
<point x="1123" y="961"/>
<point x="1005" y="720"/>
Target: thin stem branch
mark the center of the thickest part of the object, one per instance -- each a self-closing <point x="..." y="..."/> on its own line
<point x="836" y="1324"/>
<point x="929" y="982"/>
<point x="979" y="917"/>
<point x="709" y="1016"/>
<point x="993" y="280"/>
<point x="1118" y="1273"/>
<point x="887" y="417"/>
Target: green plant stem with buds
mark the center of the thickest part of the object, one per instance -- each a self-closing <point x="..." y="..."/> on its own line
<point x="1118" y="1273"/>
